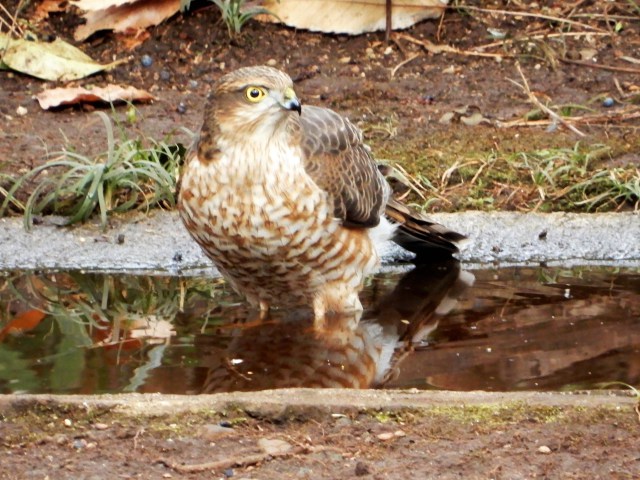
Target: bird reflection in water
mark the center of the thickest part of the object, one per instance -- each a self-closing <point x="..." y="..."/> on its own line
<point x="288" y="350"/>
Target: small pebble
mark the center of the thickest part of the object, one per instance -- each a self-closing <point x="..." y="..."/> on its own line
<point x="362" y="469"/>
<point x="146" y="61"/>
<point x="100" y="426"/>
<point x="177" y="257"/>
<point x="79" y="443"/>
<point x="272" y="62"/>
<point x="193" y="84"/>
<point x="225" y="424"/>
<point x="120" y="239"/>
<point x="67" y="422"/>
<point x="544" y="449"/>
<point x="228" y="472"/>
<point x="21" y="111"/>
<point x="211" y="432"/>
<point x="165" y="75"/>
<point x="608" y="102"/>
<point x="182" y="108"/>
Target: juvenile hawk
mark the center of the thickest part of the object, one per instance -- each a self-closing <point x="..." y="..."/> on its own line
<point x="287" y="201"/>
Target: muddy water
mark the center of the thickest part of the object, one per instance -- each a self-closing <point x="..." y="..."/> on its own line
<point x="432" y="327"/>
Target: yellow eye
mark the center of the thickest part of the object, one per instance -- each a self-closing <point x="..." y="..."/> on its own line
<point x="255" y="94"/>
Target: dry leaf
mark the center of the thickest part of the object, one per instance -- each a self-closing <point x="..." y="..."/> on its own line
<point x="126" y="17"/>
<point x="57" y="60"/>
<point x="93" y="5"/>
<point x="45" y="7"/>
<point x="350" y="16"/>
<point x="56" y="97"/>
<point x="129" y="42"/>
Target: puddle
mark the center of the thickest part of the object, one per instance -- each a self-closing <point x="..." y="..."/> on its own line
<point x="428" y="328"/>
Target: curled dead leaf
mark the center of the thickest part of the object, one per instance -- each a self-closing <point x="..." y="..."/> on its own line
<point x="350" y="16"/>
<point x="57" y="97"/>
<point x="122" y="16"/>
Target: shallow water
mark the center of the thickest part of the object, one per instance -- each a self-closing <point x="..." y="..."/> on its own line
<point x="433" y="327"/>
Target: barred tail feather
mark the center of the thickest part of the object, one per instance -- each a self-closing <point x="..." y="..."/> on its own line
<point x="421" y="236"/>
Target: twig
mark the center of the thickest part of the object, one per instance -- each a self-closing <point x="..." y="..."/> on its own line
<point x="527" y="14"/>
<point x="584" y="119"/>
<point x="436" y="49"/>
<point x="533" y="99"/>
<point x="244" y="461"/>
<point x="540" y="36"/>
<point x="403" y="63"/>
<point x="571" y="9"/>
<point x="610" y="68"/>
<point x="440" y="24"/>
<point x="389" y="20"/>
<point x="136" y="436"/>
<point x="14" y="27"/>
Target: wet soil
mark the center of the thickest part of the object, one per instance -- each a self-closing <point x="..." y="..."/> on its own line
<point x="329" y="434"/>
<point x="400" y="116"/>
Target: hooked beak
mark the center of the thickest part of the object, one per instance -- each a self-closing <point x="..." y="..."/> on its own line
<point x="291" y="101"/>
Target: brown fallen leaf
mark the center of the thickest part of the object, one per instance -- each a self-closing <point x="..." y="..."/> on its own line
<point x="56" y="97"/>
<point x="129" y="42"/>
<point x="350" y="16"/>
<point x="45" y="7"/>
<point x="93" y="5"/>
<point x="128" y="17"/>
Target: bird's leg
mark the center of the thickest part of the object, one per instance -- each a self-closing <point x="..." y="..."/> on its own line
<point x="319" y="311"/>
<point x="264" y="310"/>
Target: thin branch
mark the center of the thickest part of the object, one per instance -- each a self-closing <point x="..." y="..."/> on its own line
<point x="527" y="14"/>
<point x="541" y="36"/>
<point x="533" y="99"/>
<point x="610" y="68"/>
<point x="389" y="20"/>
<point x="14" y="27"/>
<point x="436" y="49"/>
<point x="583" y="119"/>
<point x="403" y="63"/>
<point x="242" y="461"/>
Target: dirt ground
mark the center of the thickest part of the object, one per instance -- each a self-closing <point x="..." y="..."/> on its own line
<point x="397" y="92"/>
<point x="400" y="114"/>
<point x="321" y="434"/>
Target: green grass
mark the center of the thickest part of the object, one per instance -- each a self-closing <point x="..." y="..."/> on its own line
<point x="582" y="178"/>
<point x="133" y="173"/>
<point x="235" y="13"/>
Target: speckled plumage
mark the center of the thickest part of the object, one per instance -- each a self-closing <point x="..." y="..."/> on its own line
<point x="283" y="204"/>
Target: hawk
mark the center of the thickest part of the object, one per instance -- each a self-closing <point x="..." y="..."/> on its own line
<point x="288" y="201"/>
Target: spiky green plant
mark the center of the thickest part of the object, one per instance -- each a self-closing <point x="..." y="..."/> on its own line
<point x="133" y="173"/>
<point x="235" y="15"/>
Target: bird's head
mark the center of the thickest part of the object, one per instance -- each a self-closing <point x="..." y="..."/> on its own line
<point x="256" y="98"/>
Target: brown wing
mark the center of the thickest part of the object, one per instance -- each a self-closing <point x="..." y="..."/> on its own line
<point x="340" y="163"/>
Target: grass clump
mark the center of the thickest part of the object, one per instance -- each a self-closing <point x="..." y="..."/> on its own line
<point x="235" y="13"/>
<point x="133" y="173"/>
<point x="581" y="178"/>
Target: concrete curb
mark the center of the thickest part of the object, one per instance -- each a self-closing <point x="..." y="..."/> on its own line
<point x="271" y="403"/>
<point x="158" y="243"/>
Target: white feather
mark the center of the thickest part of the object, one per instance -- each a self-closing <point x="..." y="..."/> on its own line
<point x="381" y="236"/>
